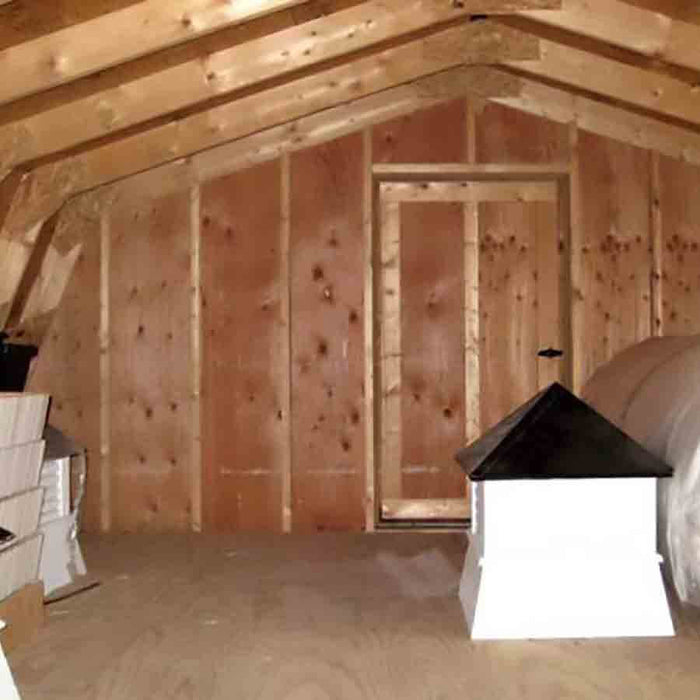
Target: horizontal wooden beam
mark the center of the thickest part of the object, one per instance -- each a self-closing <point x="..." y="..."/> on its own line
<point x="643" y="31"/>
<point x="482" y="172"/>
<point x="469" y="191"/>
<point x="640" y="88"/>
<point x="118" y="37"/>
<point x="49" y="186"/>
<point x="425" y="509"/>
<point x="604" y="119"/>
<point x="191" y="83"/>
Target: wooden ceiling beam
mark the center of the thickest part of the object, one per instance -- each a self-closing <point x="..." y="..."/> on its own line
<point x="651" y="34"/>
<point x="217" y="75"/>
<point x="48" y="186"/>
<point x="583" y="71"/>
<point x="118" y="37"/>
<point x="604" y="119"/>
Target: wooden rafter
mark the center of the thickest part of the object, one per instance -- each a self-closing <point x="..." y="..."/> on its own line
<point x="647" y="90"/>
<point x="8" y="189"/>
<point x="604" y="119"/>
<point x="50" y="185"/>
<point x="118" y="37"/>
<point x="640" y="30"/>
<point x="180" y="87"/>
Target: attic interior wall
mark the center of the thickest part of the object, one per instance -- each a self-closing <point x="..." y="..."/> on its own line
<point x="146" y="476"/>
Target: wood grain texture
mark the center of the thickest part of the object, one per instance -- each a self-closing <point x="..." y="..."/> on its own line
<point x="150" y="364"/>
<point x="432" y="339"/>
<point x="434" y="135"/>
<point x="680" y="257"/>
<point x="505" y="135"/>
<point x="508" y="306"/>
<point x="68" y="365"/>
<point x="336" y="616"/>
<point x="615" y="254"/>
<point x="327" y="286"/>
<point x="244" y="439"/>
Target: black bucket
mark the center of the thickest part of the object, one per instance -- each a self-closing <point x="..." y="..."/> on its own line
<point x="14" y="364"/>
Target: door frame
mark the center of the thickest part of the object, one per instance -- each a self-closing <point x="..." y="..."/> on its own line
<point x="390" y="185"/>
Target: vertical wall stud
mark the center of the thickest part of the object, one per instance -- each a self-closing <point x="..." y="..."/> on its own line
<point x="285" y="341"/>
<point x="196" y="356"/>
<point x="367" y="221"/>
<point x="657" y="318"/>
<point x="576" y="271"/>
<point x="105" y="377"/>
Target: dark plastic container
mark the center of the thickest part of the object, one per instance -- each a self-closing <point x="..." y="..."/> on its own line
<point x="14" y="365"/>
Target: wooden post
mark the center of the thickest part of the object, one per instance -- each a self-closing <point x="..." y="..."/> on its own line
<point x="285" y="341"/>
<point x="196" y="356"/>
<point x="656" y="291"/>
<point x="390" y="232"/>
<point x="105" y="377"/>
<point x="367" y="221"/>
<point x="576" y="273"/>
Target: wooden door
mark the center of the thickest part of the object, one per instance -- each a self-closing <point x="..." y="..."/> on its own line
<point x="468" y="294"/>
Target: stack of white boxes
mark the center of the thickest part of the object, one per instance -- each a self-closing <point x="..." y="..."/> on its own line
<point x="22" y="419"/>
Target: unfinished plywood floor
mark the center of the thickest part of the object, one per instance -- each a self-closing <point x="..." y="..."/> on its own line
<point x="310" y="618"/>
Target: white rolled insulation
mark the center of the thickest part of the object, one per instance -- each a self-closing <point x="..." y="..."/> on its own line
<point x="652" y="392"/>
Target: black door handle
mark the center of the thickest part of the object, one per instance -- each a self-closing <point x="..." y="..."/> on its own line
<point x="550" y="352"/>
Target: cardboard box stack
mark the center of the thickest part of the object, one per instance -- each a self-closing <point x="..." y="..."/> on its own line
<point x="22" y="419"/>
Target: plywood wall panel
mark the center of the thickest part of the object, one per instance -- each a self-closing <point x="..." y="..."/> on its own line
<point x="680" y="258"/>
<point x="432" y="337"/>
<point x="67" y="366"/>
<point x="508" y="308"/>
<point x="242" y="403"/>
<point x="150" y="364"/>
<point x="615" y="253"/>
<point x="435" y="135"/>
<point x="504" y="135"/>
<point x="327" y="341"/>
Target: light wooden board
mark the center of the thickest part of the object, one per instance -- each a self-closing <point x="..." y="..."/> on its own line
<point x="187" y="84"/>
<point x="114" y="38"/>
<point x="615" y="254"/>
<point x="432" y="356"/>
<point x="23" y="612"/>
<point x="150" y="431"/>
<point x="68" y="365"/>
<point x="326" y="258"/>
<point x="680" y="259"/>
<point x="243" y="430"/>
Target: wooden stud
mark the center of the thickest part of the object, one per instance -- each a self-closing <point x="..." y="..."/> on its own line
<point x="425" y="509"/>
<point x="390" y="242"/>
<point x="565" y="289"/>
<point x="469" y="192"/>
<point x="368" y="305"/>
<point x="114" y="38"/>
<point x="105" y="378"/>
<point x="196" y="355"/>
<point x="578" y="338"/>
<point x="656" y="223"/>
<point x="481" y="172"/>
<point x="285" y="341"/>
